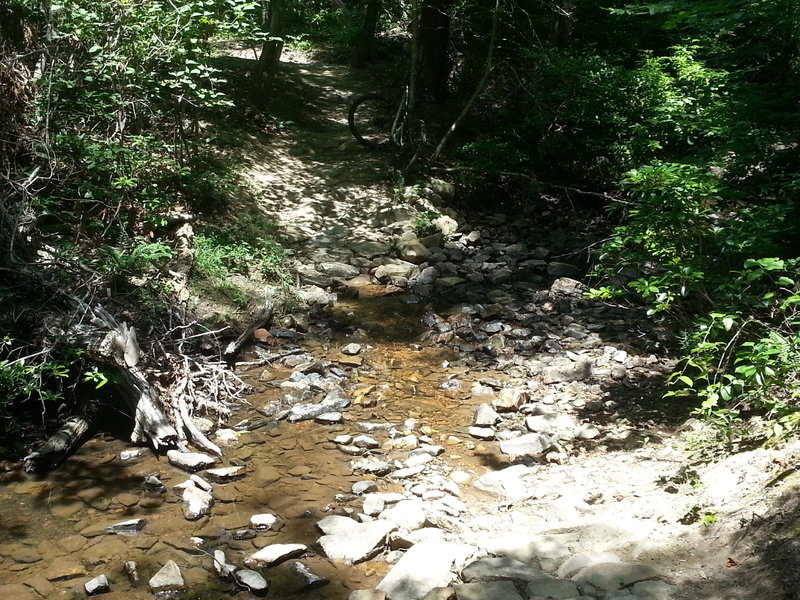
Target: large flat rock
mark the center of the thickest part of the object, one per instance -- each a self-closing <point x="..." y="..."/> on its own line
<point x="501" y="568"/>
<point x="357" y="543"/>
<point x="423" y="567"/>
<point x="500" y="590"/>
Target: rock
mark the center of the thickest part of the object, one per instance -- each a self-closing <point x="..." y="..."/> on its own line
<point x="263" y="521"/>
<point x="567" y="371"/>
<point x="367" y="595"/>
<point x="98" y="585"/>
<point x="26" y="555"/>
<point x="559" y="269"/>
<point x="335" y="524"/>
<point x="503" y="590"/>
<point x="333" y="402"/>
<point x="374" y="466"/>
<point x="502" y="567"/>
<point x="329" y="418"/>
<point x="373" y="505"/>
<point x="413" y="251"/>
<point x="417" y="459"/>
<point x="357" y="543"/>
<point x="510" y="399"/>
<point x="547" y="550"/>
<point x="308" y="579"/>
<point x="406" y="539"/>
<point x="614" y="576"/>
<point x="441" y="593"/>
<point x="369" y="248"/>
<point x="274" y="554"/>
<point x="167" y="579"/>
<point x="363" y="487"/>
<point x="425" y="566"/>
<point x="654" y="590"/>
<point x="364" y="441"/>
<point x="557" y="426"/>
<point x="507" y="483"/>
<point x="555" y="589"/>
<point x="263" y="475"/>
<point x="62" y="568"/>
<point x="352" y="349"/>
<point x="531" y="444"/>
<point x="225" y="474"/>
<point x="587" y="431"/>
<point x="190" y="461"/>
<point x="400" y="269"/>
<point x="408" y="472"/>
<point x="482" y="433"/>
<point x="338" y="269"/>
<point x="127" y="527"/>
<point x="567" y="287"/>
<point x="485" y="416"/>
<point x="252" y="581"/>
<point x="17" y="591"/>
<point x="196" y="502"/>
<point x="406" y="514"/>
<point x="576" y="562"/>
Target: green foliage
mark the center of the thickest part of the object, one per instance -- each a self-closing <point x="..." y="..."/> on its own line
<point x="217" y="256"/>
<point x="424" y="223"/>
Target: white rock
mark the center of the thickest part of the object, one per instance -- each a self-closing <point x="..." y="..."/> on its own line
<point x="373" y="505"/>
<point x="425" y="566"/>
<point x="252" y="581"/>
<point x="98" y="585"/>
<point x="196" y="502"/>
<point x="531" y="444"/>
<point x="190" y="461"/>
<point x="485" y="416"/>
<point x="507" y="483"/>
<point x="221" y="565"/>
<point x="357" y="543"/>
<point x="364" y="441"/>
<point x="225" y="474"/>
<point x="275" y="554"/>
<point x="482" y="433"/>
<point x="407" y="514"/>
<point x="168" y="578"/>
<point x="363" y="487"/>
<point x="263" y="521"/>
<point x="614" y="575"/>
<point x="336" y="523"/>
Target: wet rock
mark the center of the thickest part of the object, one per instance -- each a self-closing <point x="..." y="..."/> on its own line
<point x="485" y="416"/>
<point x="17" y="591"/>
<point x="225" y="474"/>
<point x="503" y="590"/>
<point x="190" y="461"/>
<point x="274" y="554"/>
<point x="531" y="444"/>
<point x="167" y="579"/>
<point x="565" y="371"/>
<point x="263" y="521"/>
<point x="252" y="581"/>
<point x="221" y="565"/>
<point x="98" y="585"/>
<point x="132" y="571"/>
<point x="425" y="566"/>
<point x="153" y="484"/>
<point x="338" y="269"/>
<point x="445" y="283"/>
<point x="308" y="579"/>
<point x="62" y="568"/>
<point x="26" y="555"/>
<point x="614" y="576"/>
<point x="358" y="543"/>
<point x="499" y="568"/>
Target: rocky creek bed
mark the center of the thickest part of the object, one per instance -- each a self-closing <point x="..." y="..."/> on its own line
<point x="448" y="417"/>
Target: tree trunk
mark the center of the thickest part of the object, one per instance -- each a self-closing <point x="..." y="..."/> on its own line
<point x="273" y="45"/>
<point x="59" y="446"/>
<point x="367" y="37"/>
<point x="433" y="60"/>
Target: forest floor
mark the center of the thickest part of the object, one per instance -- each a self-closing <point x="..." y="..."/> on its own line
<point x="627" y="478"/>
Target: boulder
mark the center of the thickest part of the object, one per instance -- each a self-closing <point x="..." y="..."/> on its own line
<point x="422" y="568"/>
<point x="531" y="444"/>
<point x="274" y="554"/>
<point x="358" y="543"/>
<point x="190" y="461"/>
<point x="501" y="590"/>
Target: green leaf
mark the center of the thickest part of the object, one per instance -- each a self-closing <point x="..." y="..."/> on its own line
<point x="785" y="281"/>
<point x="687" y="380"/>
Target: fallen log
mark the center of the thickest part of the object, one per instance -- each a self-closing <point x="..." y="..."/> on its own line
<point x="261" y="319"/>
<point x="60" y="445"/>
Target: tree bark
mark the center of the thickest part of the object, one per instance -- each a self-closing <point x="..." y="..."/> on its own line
<point x="59" y="446"/>
<point x="433" y="60"/>
<point x="367" y="37"/>
<point x="273" y="45"/>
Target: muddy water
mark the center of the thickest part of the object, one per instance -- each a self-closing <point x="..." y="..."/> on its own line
<point x="48" y="526"/>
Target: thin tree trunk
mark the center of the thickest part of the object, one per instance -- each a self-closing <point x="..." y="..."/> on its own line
<point x="478" y="88"/>
<point x="367" y="37"/>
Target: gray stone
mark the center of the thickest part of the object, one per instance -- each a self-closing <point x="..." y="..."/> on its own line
<point x="559" y="269"/>
<point x="441" y="593"/>
<point x="406" y="539"/>
<point x="413" y="251"/>
<point x="352" y="349"/>
<point x="168" y="578"/>
<point x="654" y="590"/>
<point x="221" y="565"/>
<point x="576" y="562"/>
<point x="329" y="418"/>
<point x="547" y="550"/>
<point x="369" y="248"/>
<point x="252" y="581"/>
<point x="190" y="461"/>
<point x="308" y="579"/>
<point x="263" y="521"/>
<point x="614" y="575"/>
<point x="225" y="474"/>
<point x="406" y="514"/>
<point x="501" y="590"/>
<point x="553" y="589"/>
<point x="333" y="402"/>
<point x="566" y="371"/>
<point x="422" y="568"/>
<point x="373" y="505"/>
<point x="363" y="487"/>
<point x="394" y="270"/>
<point x="98" y="585"/>
<point x="507" y="483"/>
<point x="482" y="433"/>
<point x="417" y="459"/>
<point x="567" y="287"/>
<point x="587" y="431"/>
<point x="427" y="276"/>
<point x="485" y="416"/>
<point x="364" y="441"/>
<point x="275" y="554"/>
<point x="531" y="444"/>
<point x="129" y="526"/>
<point x="367" y="595"/>
<point x="338" y="269"/>
<point x="510" y="399"/>
<point x="371" y="465"/>
<point x="408" y="472"/>
<point x="196" y="502"/>
<point x="501" y="567"/>
<point x="335" y="523"/>
<point x="357" y="543"/>
<point x="558" y="426"/>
